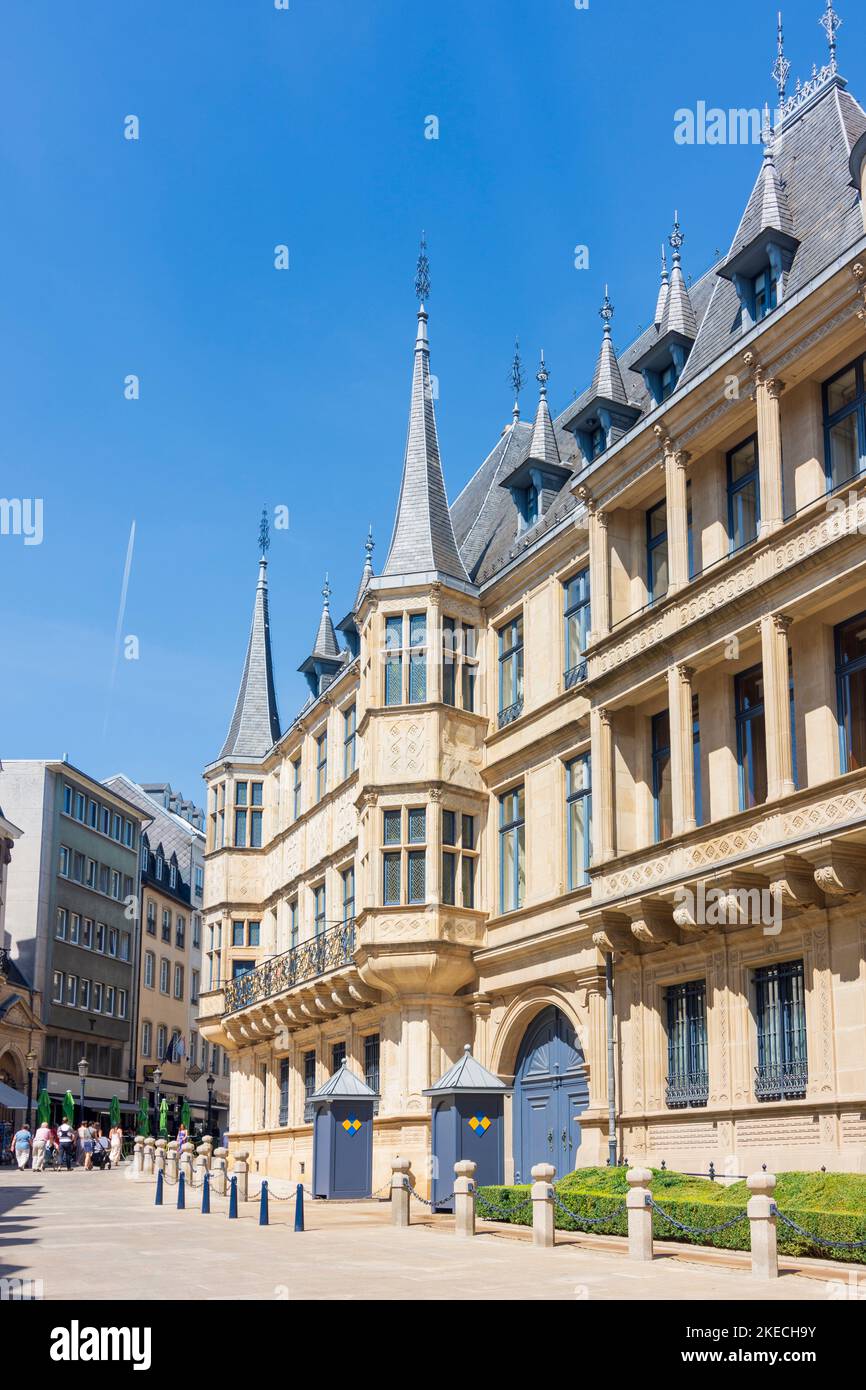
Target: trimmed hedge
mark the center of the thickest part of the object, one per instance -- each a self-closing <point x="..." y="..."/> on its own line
<point x="832" y="1205"/>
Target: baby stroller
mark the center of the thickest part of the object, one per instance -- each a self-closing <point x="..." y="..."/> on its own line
<point x="101" y="1156"/>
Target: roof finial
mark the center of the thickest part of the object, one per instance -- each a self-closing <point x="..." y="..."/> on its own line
<point x="517" y="378"/>
<point x="606" y="312"/>
<point x="664" y="264"/>
<point x="370" y="545"/>
<point x="676" y="238"/>
<point x="831" y="24"/>
<point x="264" y="534"/>
<point x="542" y="376"/>
<point x="422" y="273"/>
<point x="326" y="593"/>
<point x="782" y="66"/>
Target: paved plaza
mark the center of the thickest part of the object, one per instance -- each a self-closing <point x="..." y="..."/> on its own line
<point x="105" y="1226"/>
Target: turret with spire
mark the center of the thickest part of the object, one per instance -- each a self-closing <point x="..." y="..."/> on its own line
<point x="676" y="327"/>
<point x="325" y="659"/>
<point x="605" y="413"/>
<point x="423" y="538"/>
<point x="348" y="626"/>
<point x="255" y="725"/>
<point x="664" y="290"/>
<point x="539" y="476"/>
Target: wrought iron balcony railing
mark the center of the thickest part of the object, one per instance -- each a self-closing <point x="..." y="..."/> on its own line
<point x="576" y="676"/>
<point x="683" y="1091"/>
<point x="787" y="1082"/>
<point x="328" y="951"/>
<point x="510" y="713"/>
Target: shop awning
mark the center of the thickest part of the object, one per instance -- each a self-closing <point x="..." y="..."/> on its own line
<point x="12" y="1099"/>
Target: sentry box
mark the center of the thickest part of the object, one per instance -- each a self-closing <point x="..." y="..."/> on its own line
<point x="343" y="1136"/>
<point x="468" y="1122"/>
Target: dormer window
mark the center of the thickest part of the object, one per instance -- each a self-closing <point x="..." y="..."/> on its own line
<point x="766" y="293"/>
<point x="529" y="508"/>
<point x="667" y="382"/>
<point x="597" y="442"/>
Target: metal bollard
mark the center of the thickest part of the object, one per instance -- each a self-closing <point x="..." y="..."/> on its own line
<point x="299" y="1207"/>
<point x="761" y="1211"/>
<point x="158" y="1201"/>
<point x="181" y="1203"/>
<point x="205" y="1195"/>
<point x="464" y="1197"/>
<point x="401" y="1185"/>
<point x="263" y="1204"/>
<point x="233" y="1199"/>
<point x="640" y="1214"/>
<point x="543" y="1226"/>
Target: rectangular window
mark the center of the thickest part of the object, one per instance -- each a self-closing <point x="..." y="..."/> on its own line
<point x="751" y="737"/>
<point x="458" y="859"/>
<point x="696" y="760"/>
<point x="92" y="815"/>
<point x="350" y="726"/>
<point x="238" y="934"/>
<point x="512" y="850"/>
<point x="578" y="791"/>
<point x="338" y="1055"/>
<point x="117" y="828"/>
<point x="166" y="924"/>
<point x="109" y="1000"/>
<point x="662" y="783"/>
<point x="75" y="928"/>
<point x="391" y="879"/>
<point x="348" y="881"/>
<point x="149" y="969"/>
<point x="744" y="496"/>
<point x="100" y="937"/>
<point x="80" y="806"/>
<point x="151" y="917"/>
<point x="371" y="1061"/>
<point x="87" y="933"/>
<point x="161" y="1034"/>
<point x="394" y="660"/>
<point x="688" y="1081"/>
<point x="657" y="552"/>
<point x="90" y="873"/>
<point x="510" y="671"/>
<point x="67" y="799"/>
<point x="180" y="932"/>
<point x="296" y="788"/>
<point x="321" y="765"/>
<point x="163" y="975"/>
<point x="241" y="794"/>
<point x="321" y="915"/>
<point x="178" y="981"/>
<point x="146" y="1039"/>
<point x="254" y="933"/>
<point x="61" y="931"/>
<point x="57" y="987"/>
<point x="293" y="923"/>
<point x="845" y="424"/>
<point x="194" y="985"/>
<point x="416" y="876"/>
<point x="309" y="1084"/>
<point x="851" y="692"/>
<point x="241" y="829"/>
<point x="577" y="619"/>
<point x="105" y="821"/>
<point x="780" y="1014"/>
<point x="65" y="859"/>
<point x="256" y="829"/>
<point x="71" y="991"/>
<point x="417" y="658"/>
<point x="459" y="664"/>
<point x="121" y="1003"/>
<point x="84" y="994"/>
<point x="284" y="1091"/>
<point x="113" y="940"/>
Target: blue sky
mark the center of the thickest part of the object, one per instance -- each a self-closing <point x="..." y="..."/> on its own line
<point x="306" y="127"/>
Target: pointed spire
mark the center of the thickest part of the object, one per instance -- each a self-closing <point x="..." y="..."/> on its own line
<point x="661" y="303"/>
<point x="543" y="448"/>
<point x="831" y="24"/>
<point x="326" y="643"/>
<point x="782" y="67"/>
<point x="517" y="379"/>
<point x="607" y="383"/>
<point x="255" y="725"/>
<point x="679" y="314"/>
<point x="369" y="547"/>
<point x="423" y="537"/>
<point x="767" y="211"/>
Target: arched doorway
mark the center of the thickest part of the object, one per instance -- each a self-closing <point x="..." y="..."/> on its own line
<point x="550" y="1093"/>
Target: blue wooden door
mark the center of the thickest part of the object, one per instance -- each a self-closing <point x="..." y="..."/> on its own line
<point x="550" y="1094"/>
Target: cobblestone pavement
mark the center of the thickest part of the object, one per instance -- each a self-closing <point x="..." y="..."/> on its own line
<point x="50" y="1223"/>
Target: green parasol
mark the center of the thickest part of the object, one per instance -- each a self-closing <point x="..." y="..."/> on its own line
<point x="114" y="1111"/>
<point x="43" y="1108"/>
<point x="69" y="1108"/>
<point x="143" y="1125"/>
<point x="184" y="1114"/>
<point x="163" y="1119"/>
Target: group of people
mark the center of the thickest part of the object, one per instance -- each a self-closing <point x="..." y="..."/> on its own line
<point x="65" y="1146"/>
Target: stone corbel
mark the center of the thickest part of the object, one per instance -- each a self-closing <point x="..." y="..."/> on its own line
<point x="858" y="270"/>
<point x="839" y="870"/>
<point x="361" y="994"/>
<point x="613" y="933"/>
<point x="684" y="910"/>
<point x="652" y="923"/>
<point x="733" y="886"/>
<point x="792" y="882"/>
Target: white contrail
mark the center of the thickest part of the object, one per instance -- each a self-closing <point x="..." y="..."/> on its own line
<point x="118" y="631"/>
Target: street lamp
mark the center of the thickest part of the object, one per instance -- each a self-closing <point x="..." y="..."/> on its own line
<point x="31" y="1059"/>
<point x="210" y="1083"/>
<point x="83" y="1069"/>
<point x="157" y="1079"/>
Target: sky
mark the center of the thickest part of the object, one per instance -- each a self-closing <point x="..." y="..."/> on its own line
<point x="307" y="127"/>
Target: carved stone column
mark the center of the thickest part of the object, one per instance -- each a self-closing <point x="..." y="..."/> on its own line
<point x="599" y="572"/>
<point x="603" y="812"/>
<point x="676" y="505"/>
<point x="777" y="705"/>
<point x="682" y="748"/>
<point x="767" y="394"/>
<point x="434" y="645"/>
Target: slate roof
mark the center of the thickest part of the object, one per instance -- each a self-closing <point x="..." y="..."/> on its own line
<point x="809" y="189"/>
<point x="343" y="1085"/>
<point x="174" y="832"/>
<point x="255" y="725"/>
<point x="467" y="1074"/>
<point x="423" y="537"/>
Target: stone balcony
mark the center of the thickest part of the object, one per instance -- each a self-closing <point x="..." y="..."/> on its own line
<point x="807" y="850"/>
<point x="640" y="645"/>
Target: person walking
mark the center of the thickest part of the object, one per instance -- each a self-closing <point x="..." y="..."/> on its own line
<point x="116" y="1145"/>
<point x="21" y="1142"/>
<point x="66" y="1141"/>
<point x="40" y="1139"/>
<point x="85" y="1135"/>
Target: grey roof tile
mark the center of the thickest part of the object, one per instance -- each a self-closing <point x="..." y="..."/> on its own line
<point x="255" y="725"/>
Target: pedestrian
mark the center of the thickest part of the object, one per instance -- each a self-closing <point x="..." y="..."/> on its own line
<point x="85" y="1136"/>
<point x="21" y="1142"/>
<point x="52" y="1148"/>
<point x="40" y="1140"/>
<point x="116" y="1145"/>
<point x="182" y="1137"/>
<point x="66" y="1141"/>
